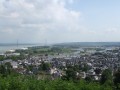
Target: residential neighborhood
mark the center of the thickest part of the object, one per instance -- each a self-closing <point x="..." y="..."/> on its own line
<point x="90" y="62"/>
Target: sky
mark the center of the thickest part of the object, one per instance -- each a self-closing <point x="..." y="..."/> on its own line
<point x="57" y="21"/>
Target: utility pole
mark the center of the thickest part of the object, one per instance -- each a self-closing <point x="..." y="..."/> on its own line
<point x="46" y="42"/>
<point x="17" y="43"/>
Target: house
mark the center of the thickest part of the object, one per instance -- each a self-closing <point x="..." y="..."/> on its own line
<point x="11" y="51"/>
<point x="83" y="75"/>
<point x="12" y="54"/>
<point x="6" y="61"/>
<point x="14" y="64"/>
<point x="2" y="54"/>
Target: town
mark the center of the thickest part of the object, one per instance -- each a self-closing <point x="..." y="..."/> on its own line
<point x="54" y="62"/>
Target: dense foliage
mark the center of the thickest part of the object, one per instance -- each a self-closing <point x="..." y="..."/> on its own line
<point x="9" y="80"/>
<point x="22" y="82"/>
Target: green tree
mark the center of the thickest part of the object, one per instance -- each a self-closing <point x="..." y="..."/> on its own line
<point x="2" y="69"/>
<point x="98" y="71"/>
<point x="117" y="79"/>
<point x="70" y="74"/>
<point x="106" y="76"/>
<point x="44" y="66"/>
<point x="88" y="79"/>
<point x="2" y="58"/>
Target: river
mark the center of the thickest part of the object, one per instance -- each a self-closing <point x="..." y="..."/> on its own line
<point x="4" y="48"/>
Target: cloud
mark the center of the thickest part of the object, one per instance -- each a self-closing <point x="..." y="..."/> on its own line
<point x="37" y="20"/>
<point x="112" y="30"/>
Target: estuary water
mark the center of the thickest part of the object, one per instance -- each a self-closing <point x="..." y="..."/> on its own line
<point x="4" y="48"/>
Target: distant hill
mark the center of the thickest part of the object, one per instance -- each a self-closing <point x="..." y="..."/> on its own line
<point x="88" y="44"/>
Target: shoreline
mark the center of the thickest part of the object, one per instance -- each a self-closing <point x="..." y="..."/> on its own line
<point x="5" y="48"/>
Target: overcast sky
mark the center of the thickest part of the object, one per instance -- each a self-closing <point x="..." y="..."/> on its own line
<point x="55" y="21"/>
